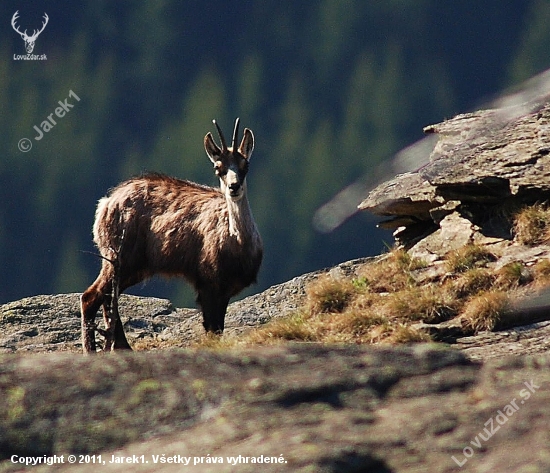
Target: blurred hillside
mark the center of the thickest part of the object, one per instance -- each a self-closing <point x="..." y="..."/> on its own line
<point x="330" y="89"/>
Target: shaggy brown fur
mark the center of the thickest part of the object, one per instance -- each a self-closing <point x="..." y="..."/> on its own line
<point x="157" y="224"/>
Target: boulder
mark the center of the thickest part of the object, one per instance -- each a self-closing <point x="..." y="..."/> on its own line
<point x="484" y="164"/>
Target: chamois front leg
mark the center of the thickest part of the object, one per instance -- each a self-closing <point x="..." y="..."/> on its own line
<point x="120" y="342"/>
<point x="115" y="339"/>
<point x="213" y="306"/>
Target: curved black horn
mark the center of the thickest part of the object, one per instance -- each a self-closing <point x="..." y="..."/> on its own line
<point x="220" y="134"/>
<point x="235" y="133"/>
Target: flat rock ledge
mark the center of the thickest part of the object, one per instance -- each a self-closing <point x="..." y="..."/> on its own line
<point x="298" y="408"/>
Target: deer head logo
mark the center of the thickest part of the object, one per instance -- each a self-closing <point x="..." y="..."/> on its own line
<point x="29" y="40"/>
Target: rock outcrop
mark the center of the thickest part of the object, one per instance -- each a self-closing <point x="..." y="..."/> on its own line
<point x="484" y="165"/>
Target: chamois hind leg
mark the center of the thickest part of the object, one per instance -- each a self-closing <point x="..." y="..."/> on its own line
<point x="213" y="306"/>
<point x="100" y="293"/>
<point x="90" y="301"/>
<point x="115" y="339"/>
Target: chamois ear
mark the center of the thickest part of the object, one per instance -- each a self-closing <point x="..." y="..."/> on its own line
<point x="212" y="149"/>
<point x="247" y="144"/>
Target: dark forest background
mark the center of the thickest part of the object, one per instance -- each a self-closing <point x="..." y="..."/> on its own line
<point x="330" y="88"/>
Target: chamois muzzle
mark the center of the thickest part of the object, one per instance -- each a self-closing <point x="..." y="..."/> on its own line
<point x="235" y="189"/>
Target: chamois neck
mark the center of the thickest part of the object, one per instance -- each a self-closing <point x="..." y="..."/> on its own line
<point x="241" y="222"/>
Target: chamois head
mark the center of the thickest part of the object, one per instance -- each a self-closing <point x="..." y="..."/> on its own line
<point x="230" y="163"/>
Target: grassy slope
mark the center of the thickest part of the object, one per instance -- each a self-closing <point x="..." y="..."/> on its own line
<point x="393" y="295"/>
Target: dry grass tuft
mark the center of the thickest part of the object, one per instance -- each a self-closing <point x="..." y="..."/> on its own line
<point x="351" y="326"/>
<point x="513" y="275"/>
<point x="428" y="304"/>
<point x="541" y="273"/>
<point x="392" y="273"/>
<point x="469" y="257"/>
<point x="406" y="262"/>
<point x="532" y="225"/>
<point x="215" y="342"/>
<point x="485" y="311"/>
<point x="403" y="334"/>
<point x="472" y="282"/>
<point x="299" y="326"/>
<point x="358" y="323"/>
<point x="326" y="294"/>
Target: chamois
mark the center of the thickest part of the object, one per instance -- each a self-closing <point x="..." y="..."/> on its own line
<point x="156" y="224"/>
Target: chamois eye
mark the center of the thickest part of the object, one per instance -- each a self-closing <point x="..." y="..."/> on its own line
<point x="219" y="169"/>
